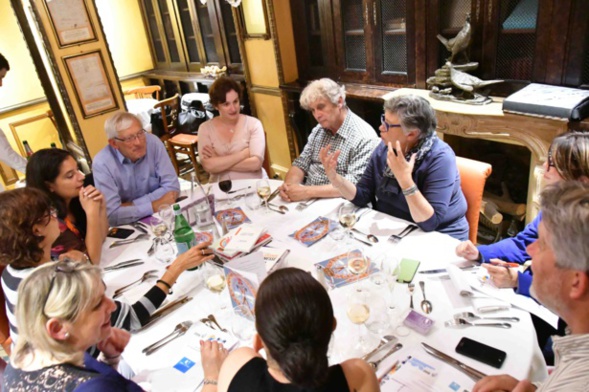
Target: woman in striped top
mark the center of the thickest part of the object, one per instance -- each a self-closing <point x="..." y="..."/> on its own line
<point x="26" y="238"/>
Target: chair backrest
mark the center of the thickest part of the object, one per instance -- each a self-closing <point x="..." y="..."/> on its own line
<point x="144" y="92"/>
<point x="473" y="175"/>
<point x="5" y="339"/>
<point x="170" y="107"/>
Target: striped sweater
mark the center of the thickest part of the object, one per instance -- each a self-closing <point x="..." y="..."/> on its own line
<point x="570" y="371"/>
<point x="125" y="316"/>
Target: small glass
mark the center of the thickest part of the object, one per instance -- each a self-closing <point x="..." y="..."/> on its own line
<point x="243" y="323"/>
<point x="357" y="261"/>
<point x="161" y="225"/>
<point x="358" y="311"/>
<point x="225" y="185"/>
<point x="347" y="218"/>
<point x="215" y="282"/>
<point x="264" y="191"/>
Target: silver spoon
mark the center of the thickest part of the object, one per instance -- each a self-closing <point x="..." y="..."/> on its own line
<point x="148" y="275"/>
<point x="396" y="347"/>
<point x="371" y="238"/>
<point x="214" y="320"/>
<point x="462" y="323"/>
<point x="426" y="306"/>
<point x="281" y="208"/>
<point x="276" y="209"/>
<point x="471" y="315"/>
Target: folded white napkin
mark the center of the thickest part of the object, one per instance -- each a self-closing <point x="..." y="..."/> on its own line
<point x="459" y="280"/>
<point x="465" y="284"/>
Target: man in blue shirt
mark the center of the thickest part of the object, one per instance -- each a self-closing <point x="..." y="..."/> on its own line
<point x="134" y="171"/>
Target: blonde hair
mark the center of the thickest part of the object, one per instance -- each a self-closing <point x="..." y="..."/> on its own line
<point x="72" y="294"/>
<point x="322" y="88"/>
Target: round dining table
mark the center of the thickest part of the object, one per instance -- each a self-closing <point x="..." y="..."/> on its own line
<point x="432" y="249"/>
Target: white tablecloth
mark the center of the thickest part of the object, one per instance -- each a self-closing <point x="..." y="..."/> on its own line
<point x="433" y="250"/>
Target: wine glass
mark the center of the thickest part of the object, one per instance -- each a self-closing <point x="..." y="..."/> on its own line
<point x="264" y="191"/>
<point x="225" y="186"/>
<point x="243" y="323"/>
<point x="161" y="224"/>
<point x="357" y="261"/>
<point x="358" y="311"/>
<point x="215" y="282"/>
<point x="347" y="218"/>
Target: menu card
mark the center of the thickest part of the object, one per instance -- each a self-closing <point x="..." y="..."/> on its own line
<point x="314" y="231"/>
<point x="236" y="217"/>
<point x="244" y="275"/>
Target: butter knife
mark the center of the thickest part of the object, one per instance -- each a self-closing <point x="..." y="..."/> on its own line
<point x="471" y="372"/>
<point x="163" y="311"/>
<point x="273" y="194"/>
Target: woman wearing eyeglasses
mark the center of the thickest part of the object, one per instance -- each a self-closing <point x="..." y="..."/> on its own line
<point x="412" y="174"/>
<point x="62" y="311"/>
<point x="81" y="210"/>
<point x="28" y="228"/>
<point x="568" y="159"/>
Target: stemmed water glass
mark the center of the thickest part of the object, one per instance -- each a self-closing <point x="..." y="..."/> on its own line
<point x="358" y="311"/>
<point x="357" y="261"/>
<point x="215" y="282"/>
<point x="264" y="191"/>
<point x="347" y="218"/>
<point x="243" y="323"/>
<point x="161" y="225"/>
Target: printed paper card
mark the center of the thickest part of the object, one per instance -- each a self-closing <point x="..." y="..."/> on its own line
<point x="314" y="231"/>
<point x="204" y="236"/>
<point x="236" y="217"/>
<point x="337" y="271"/>
<point x="244" y="275"/>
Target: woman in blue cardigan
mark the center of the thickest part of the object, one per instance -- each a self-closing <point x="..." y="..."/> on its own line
<point x="412" y="174"/>
<point x="568" y="159"/>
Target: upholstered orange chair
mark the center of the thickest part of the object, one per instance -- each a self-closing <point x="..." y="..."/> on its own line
<point x="5" y="339"/>
<point x="473" y="175"/>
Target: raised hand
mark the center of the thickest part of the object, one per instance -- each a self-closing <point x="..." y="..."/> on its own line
<point x="329" y="161"/>
<point x="401" y="168"/>
<point x="501" y="275"/>
<point x="467" y="250"/>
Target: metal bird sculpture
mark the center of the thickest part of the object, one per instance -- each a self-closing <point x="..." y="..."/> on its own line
<point x="467" y="82"/>
<point x="460" y="43"/>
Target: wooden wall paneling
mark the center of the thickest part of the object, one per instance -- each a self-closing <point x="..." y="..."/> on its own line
<point x="577" y="44"/>
<point x="416" y="44"/>
<point x="557" y="41"/>
<point x="490" y="35"/>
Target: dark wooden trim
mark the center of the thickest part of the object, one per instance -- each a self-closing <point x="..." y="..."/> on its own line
<point x="578" y="44"/>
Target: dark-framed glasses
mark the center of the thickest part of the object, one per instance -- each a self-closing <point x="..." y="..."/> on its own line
<point x="549" y="160"/>
<point x="386" y="125"/>
<point x="130" y="139"/>
<point x="66" y="267"/>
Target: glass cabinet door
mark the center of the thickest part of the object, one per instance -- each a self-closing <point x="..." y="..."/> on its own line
<point x="353" y="35"/>
<point x="175" y="54"/>
<point x="159" y="51"/>
<point x="190" y="38"/>
<point x="392" y="55"/>
<point x="206" y="32"/>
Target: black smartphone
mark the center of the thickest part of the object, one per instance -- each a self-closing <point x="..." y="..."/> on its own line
<point x="117" y="232"/>
<point x="481" y="352"/>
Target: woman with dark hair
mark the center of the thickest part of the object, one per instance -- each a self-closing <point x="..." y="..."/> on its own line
<point x="81" y="210"/>
<point x="294" y="322"/>
<point x="26" y="237"/>
<point x="232" y="143"/>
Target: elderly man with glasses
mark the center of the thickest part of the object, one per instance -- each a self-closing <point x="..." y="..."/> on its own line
<point x="412" y="174"/>
<point x="133" y="171"/>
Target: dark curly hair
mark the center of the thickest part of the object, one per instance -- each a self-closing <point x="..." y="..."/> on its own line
<point x="294" y="318"/>
<point x="21" y="209"/>
<point x="219" y="89"/>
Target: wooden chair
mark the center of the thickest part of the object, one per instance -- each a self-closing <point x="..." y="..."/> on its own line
<point x="144" y="92"/>
<point x="473" y="176"/>
<point x="182" y="148"/>
<point x="5" y="339"/>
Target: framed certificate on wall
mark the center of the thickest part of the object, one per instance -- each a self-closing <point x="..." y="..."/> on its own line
<point x="91" y="83"/>
<point x="70" y="21"/>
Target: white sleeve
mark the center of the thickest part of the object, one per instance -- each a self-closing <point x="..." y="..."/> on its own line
<point x="11" y="157"/>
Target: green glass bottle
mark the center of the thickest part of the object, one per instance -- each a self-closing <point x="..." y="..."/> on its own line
<point x="183" y="234"/>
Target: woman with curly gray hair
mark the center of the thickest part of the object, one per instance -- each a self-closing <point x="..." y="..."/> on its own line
<point x="412" y="174"/>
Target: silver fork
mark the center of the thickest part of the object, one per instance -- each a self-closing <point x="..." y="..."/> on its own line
<point x="176" y="333"/>
<point x="394" y="238"/>
<point x="304" y="204"/>
<point x="148" y="275"/>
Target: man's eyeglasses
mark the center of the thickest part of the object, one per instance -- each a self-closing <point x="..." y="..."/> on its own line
<point x="130" y="139"/>
<point x="66" y="267"/>
<point x="386" y="125"/>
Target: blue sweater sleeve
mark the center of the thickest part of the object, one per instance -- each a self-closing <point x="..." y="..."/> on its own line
<point x="512" y="249"/>
<point x="109" y="379"/>
<point x="524" y="281"/>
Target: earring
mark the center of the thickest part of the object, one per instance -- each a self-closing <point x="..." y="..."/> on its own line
<point x="66" y="335"/>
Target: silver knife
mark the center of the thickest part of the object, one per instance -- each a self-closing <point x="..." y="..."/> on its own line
<point x="138" y="227"/>
<point x="273" y="194"/>
<point x="119" y="267"/>
<point x="123" y="264"/>
<point x="379" y="348"/>
<point x="164" y="310"/>
<point x="361" y="240"/>
<point x="471" y="372"/>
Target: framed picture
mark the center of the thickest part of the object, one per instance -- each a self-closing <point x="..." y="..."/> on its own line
<point x="70" y="21"/>
<point x="87" y="73"/>
<point x="253" y="19"/>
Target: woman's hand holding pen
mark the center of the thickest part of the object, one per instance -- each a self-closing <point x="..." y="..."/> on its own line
<point x="503" y="275"/>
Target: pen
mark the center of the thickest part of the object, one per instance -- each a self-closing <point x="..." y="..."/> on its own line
<point x="434" y="271"/>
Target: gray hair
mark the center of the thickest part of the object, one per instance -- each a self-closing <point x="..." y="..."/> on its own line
<point x="565" y="213"/>
<point x="322" y="88"/>
<point x="73" y="290"/>
<point x="119" y="122"/>
<point x="414" y="112"/>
